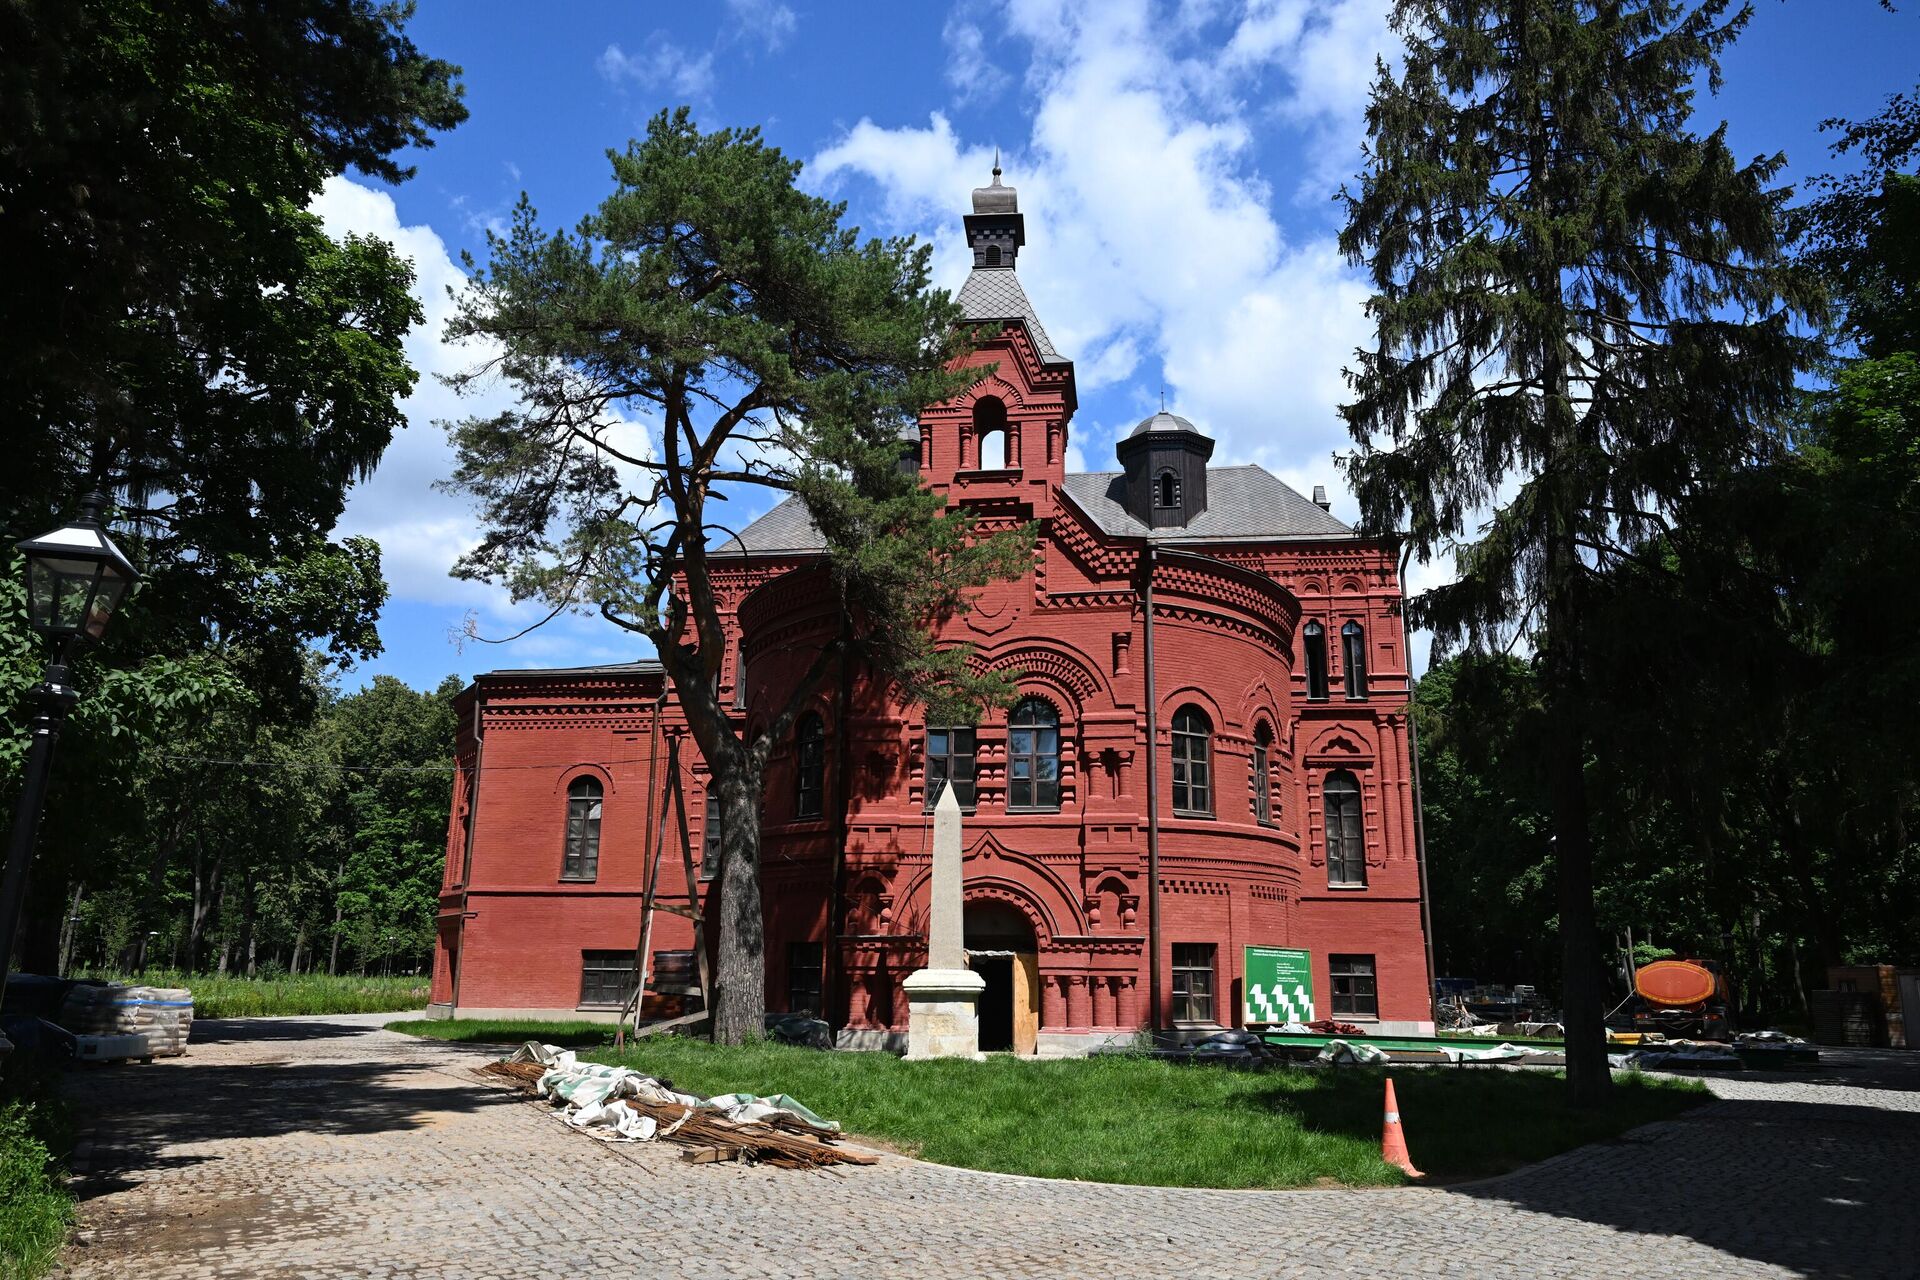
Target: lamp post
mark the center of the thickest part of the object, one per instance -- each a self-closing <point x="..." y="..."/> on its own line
<point x="76" y="578"/>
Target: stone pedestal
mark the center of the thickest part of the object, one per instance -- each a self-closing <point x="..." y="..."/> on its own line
<point x="943" y="999"/>
<point x="943" y="1014"/>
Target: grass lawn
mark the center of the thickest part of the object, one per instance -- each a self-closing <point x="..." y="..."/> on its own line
<point x="514" y="1031"/>
<point x="35" y="1205"/>
<point x="1126" y="1119"/>
<point x="215" y="996"/>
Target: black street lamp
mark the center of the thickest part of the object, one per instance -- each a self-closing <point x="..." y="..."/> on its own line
<point x="76" y="578"/>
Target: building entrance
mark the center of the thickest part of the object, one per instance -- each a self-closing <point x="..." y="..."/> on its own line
<point x="1001" y="949"/>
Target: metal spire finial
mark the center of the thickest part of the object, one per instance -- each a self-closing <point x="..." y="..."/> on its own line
<point x="996" y="164"/>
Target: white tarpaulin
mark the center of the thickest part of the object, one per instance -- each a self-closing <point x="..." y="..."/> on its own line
<point x="593" y="1094"/>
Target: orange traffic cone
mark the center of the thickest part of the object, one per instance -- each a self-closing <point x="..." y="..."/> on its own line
<point x="1393" y="1143"/>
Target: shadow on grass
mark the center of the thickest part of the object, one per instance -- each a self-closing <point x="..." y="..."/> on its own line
<point x="1467" y="1123"/>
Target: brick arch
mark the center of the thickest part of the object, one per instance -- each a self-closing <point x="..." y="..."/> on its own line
<point x="1063" y="669"/>
<point x="1342" y="743"/>
<point x="993" y="870"/>
<point x="1258" y="700"/>
<point x="1181" y="696"/>
<point x="564" y="777"/>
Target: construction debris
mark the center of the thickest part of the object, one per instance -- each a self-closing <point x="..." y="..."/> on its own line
<point x="615" y="1104"/>
<point x="159" y="1017"/>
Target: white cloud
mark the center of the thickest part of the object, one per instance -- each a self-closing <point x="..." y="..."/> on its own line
<point x="774" y="23"/>
<point x="661" y="65"/>
<point x="970" y="72"/>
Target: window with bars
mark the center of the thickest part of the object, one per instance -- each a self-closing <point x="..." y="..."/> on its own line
<point x="1192" y="762"/>
<point x="1033" y="757"/>
<point x="1263" y="774"/>
<point x="1315" y="642"/>
<point x="1346" y="837"/>
<point x="950" y="757"/>
<point x="804" y="965"/>
<point x="1193" y="982"/>
<point x="581" y="860"/>
<point x="710" y="840"/>
<point x="1353" y="653"/>
<point x="1354" y="992"/>
<point x="810" y="760"/>
<point x="606" y="978"/>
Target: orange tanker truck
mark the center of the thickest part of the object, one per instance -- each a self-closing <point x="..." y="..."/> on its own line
<point x="1682" y="1000"/>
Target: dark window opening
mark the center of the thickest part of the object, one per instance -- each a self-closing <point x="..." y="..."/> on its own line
<point x="582" y="859"/>
<point x="810" y="776"/>
<point x="1192" y="765"/>
<point x="710" y="835"/>
<point x="993" y="255"/>
<point x="740" y="675"/>
<point x="1316" y="647"/>
<point x="1166" y="490"/>
<point x="606" y="978"/>
<point x="1353" y="652"/>
<point x="1346" y="841"/>
<point x="1033" y="757"/>
<point x="950" y="757"/>
<point x="1354" y="990"/>
<point x="1262" y="777"/>
<point x="1193" y="982"/>
<point x="804" y="964"/>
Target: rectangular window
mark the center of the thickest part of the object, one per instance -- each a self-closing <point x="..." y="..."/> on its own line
<point x="1193" y="982"/>
<point x="740" y="675"/>
<point x="803" y="977"/>
<point x="606" y="978"/>
<point x="1354" y="994"/>
<point x="950" y="755"/>
<point x="710" y="840"/>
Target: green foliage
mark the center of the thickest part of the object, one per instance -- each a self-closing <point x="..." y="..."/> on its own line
<point x="35" y="1205"/>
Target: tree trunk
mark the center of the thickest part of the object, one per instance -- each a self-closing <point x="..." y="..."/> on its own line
<point x="333" y="952"/>
<point x="206" y="884"/>
<point x="740" y="970"/>
<point x="68" y="929"/>
<point x="246" y="922"/>
<point x="299" y="945"/>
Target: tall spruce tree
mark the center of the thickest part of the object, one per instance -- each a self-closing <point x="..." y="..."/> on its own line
<point x="759" y="344"/>
<point x="1584" y="315"/>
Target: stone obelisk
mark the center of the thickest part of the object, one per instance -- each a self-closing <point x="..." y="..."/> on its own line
<point x="943" y="999"/>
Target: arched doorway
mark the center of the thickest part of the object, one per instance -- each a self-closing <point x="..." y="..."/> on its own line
<point x="1001" y="949"/>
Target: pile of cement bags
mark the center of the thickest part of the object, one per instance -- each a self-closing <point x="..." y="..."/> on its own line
<point x="162" y="1016"/>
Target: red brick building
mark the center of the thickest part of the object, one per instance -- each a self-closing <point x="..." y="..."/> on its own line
<point x="1277" y="721"/>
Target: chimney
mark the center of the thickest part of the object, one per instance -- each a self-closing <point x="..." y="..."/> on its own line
<point x="1320" y="498"/>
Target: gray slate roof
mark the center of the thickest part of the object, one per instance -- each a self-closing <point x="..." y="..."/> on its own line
<point x="1163" y="421"/>
<point x="994" y="293"/>
<point x="1243" y="504"/>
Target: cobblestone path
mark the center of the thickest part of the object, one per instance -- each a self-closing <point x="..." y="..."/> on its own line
<point x="324" y="1147"/>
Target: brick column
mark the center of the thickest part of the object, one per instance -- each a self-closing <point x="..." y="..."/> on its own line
<point x="1079" y="1016"/>
<point x="1053" y="1002"/>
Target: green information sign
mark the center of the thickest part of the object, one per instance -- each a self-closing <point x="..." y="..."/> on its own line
<point x="1278" y="986"/>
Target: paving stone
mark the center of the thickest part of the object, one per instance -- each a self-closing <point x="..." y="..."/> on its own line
<point x="327" y="1147"/>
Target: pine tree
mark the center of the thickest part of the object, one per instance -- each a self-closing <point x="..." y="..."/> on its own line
<point x="1584" y="315"/>
<point x="761" y="345"/>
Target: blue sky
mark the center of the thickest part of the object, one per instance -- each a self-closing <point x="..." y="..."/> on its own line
<point x="1176" y="164"/>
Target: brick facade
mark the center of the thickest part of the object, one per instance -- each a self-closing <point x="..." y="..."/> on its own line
<point x="1064" y="889"/>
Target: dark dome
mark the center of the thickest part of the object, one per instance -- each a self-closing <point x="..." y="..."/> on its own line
<point x="1163" y="421"/>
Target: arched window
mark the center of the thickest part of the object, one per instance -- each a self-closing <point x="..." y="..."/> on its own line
<point x="990" y="433"/>
<point x="950" y="763"/>
<point x="582" y="860"/>
<point x="1033" y="757"/>
<point x="1262" y="774"/>
<point x="1346" y="841"/>
<point x="1166" y="489"/>
<point x="810" y="766"/>
<point x="1192" y="762"/>
<point x="1353" y="654"/>
<point x="1315" y="642"/>
<point x="993" y="255"/>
